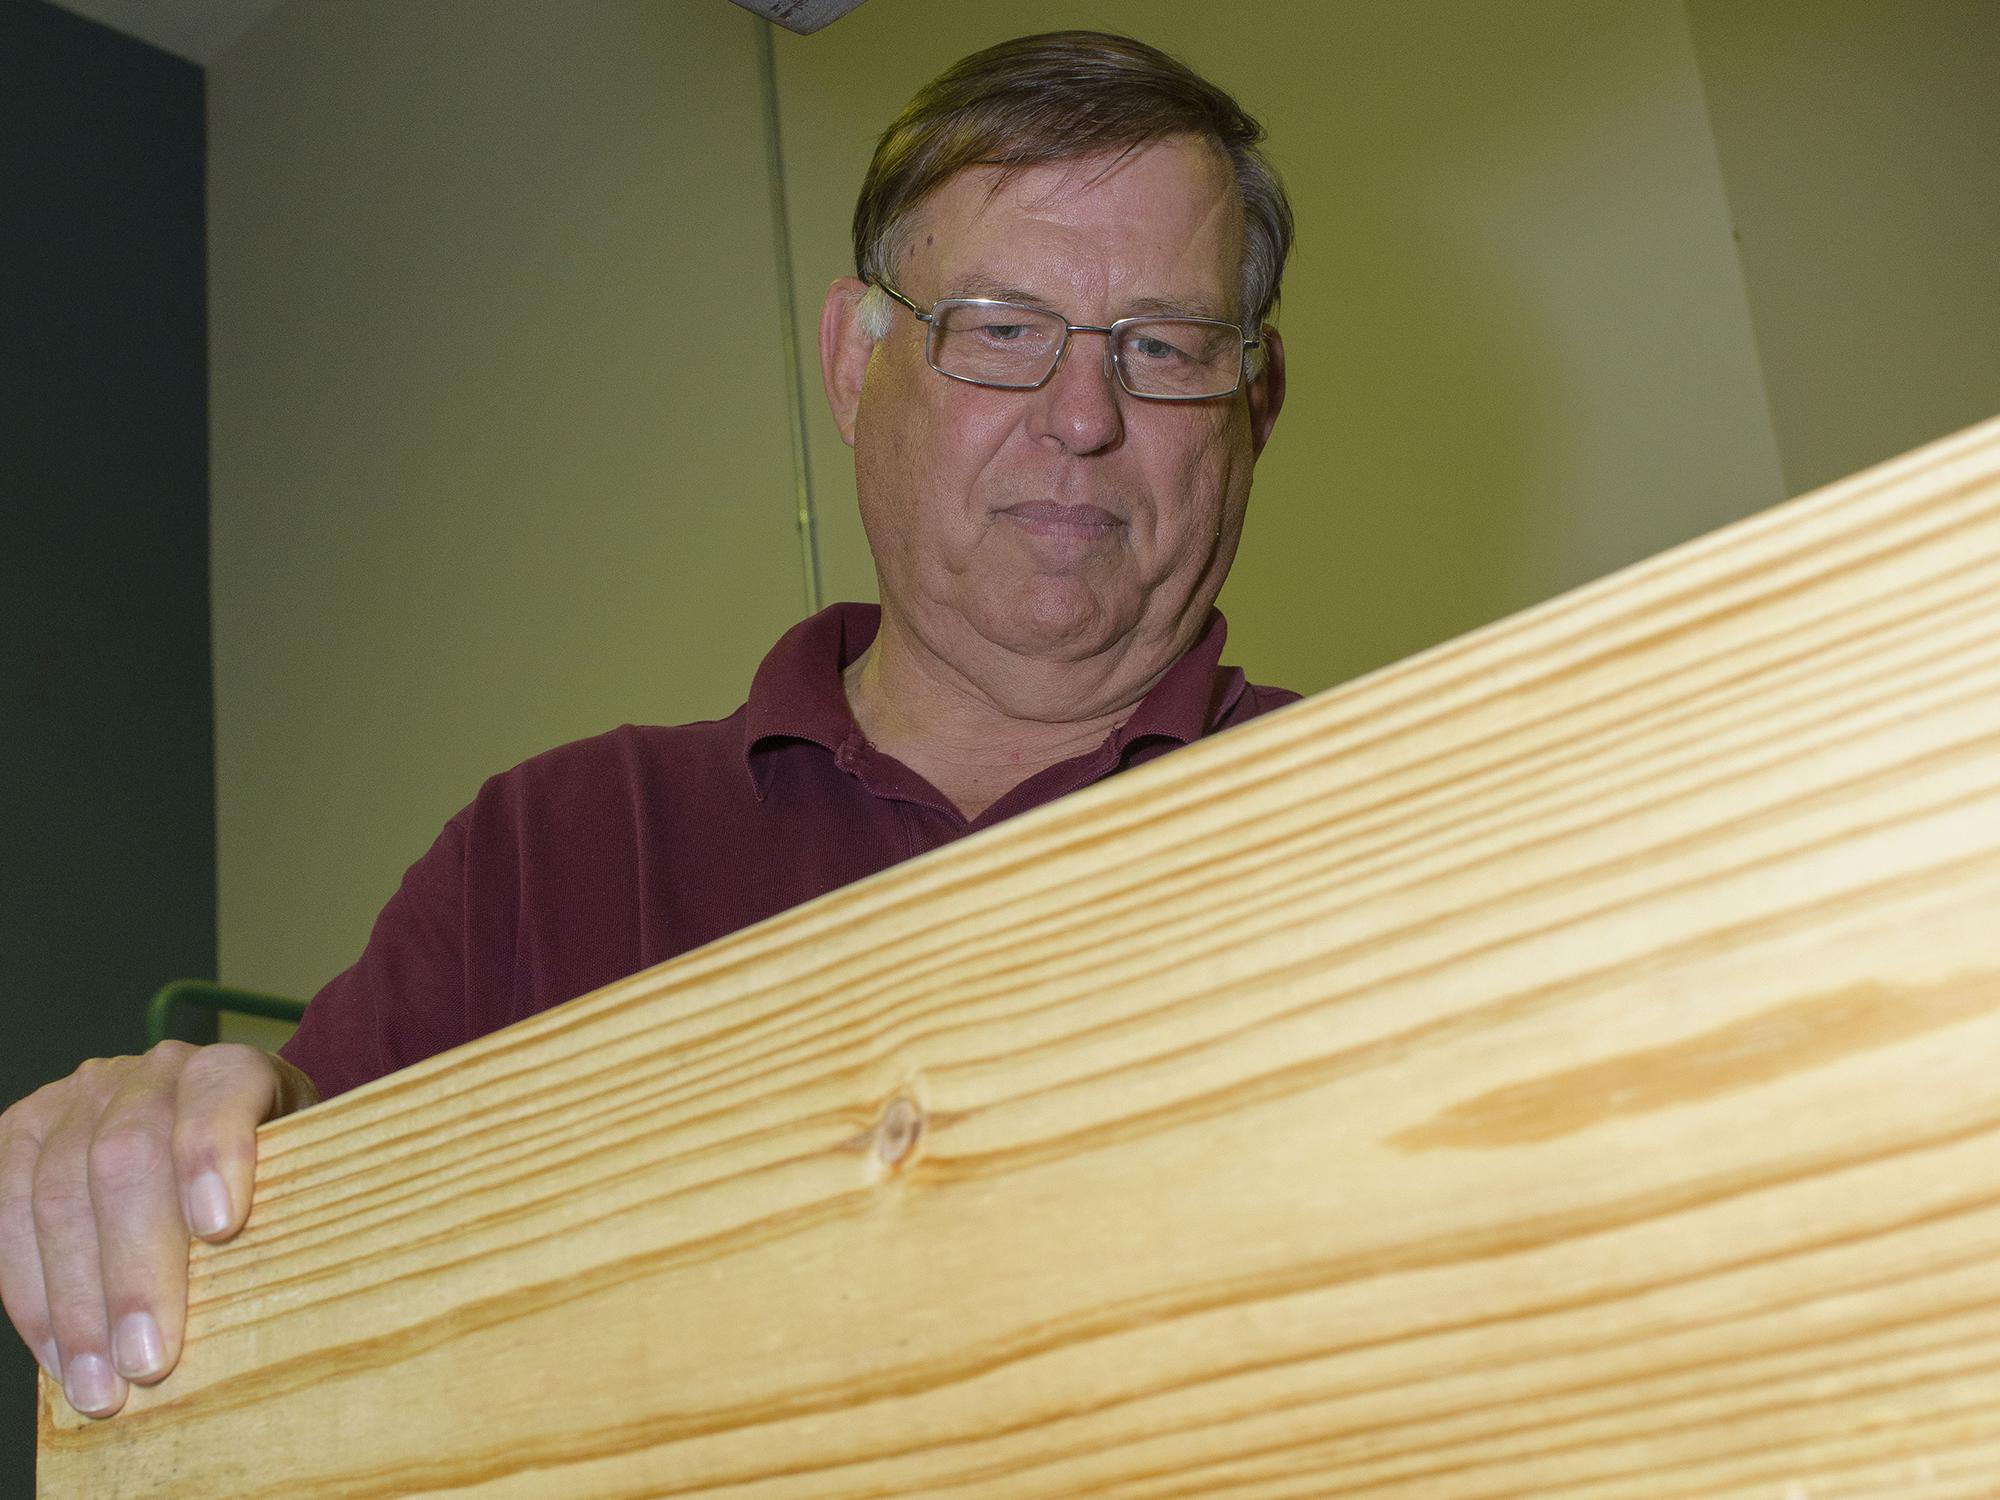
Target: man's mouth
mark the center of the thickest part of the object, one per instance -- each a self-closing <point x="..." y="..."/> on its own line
<point x="1050" y="518"/>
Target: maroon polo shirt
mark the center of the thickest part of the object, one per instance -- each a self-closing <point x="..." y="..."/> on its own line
<point x="600" y="858"/>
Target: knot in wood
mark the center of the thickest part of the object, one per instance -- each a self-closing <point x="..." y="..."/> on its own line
<point x="897" y="1132"/>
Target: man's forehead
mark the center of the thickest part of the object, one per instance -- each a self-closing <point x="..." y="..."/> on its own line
<point x="966" y="229"/>
<point x="1189" y="302"/>
<point x="1196" y="167"/>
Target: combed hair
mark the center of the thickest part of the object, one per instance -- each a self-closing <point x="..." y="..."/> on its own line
<point x="1057" y="97"/>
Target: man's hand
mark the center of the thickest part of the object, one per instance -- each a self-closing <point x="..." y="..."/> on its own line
<point x="102" y="1179"/>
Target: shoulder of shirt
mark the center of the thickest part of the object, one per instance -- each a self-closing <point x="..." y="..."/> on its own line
<point x="1258" y="699"/>
<point x="1268" y="698"/>
<point x="608" y="765"/>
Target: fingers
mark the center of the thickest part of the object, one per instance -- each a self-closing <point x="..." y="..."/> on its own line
<point x="65" y="1232"/>
<point x="226" y="1092"/>
<point x="174" y="1153"/>
<point x="107" y="1225"/>
<point x="102" y="1179"/>
<point x="141" y="1231"/>
<point x="22" y="1294"/>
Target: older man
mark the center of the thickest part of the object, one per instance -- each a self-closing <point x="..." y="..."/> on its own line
<point x="1055" y="372"/>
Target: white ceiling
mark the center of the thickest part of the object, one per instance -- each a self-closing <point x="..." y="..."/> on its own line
<point x="202" y="30"/>
<point x="199" y="30"/>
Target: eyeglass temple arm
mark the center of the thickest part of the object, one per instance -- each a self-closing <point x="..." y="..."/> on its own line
<point x="921" y="315"/>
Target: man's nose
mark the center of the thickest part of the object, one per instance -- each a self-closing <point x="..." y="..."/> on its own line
<point x="1078" y="405"/>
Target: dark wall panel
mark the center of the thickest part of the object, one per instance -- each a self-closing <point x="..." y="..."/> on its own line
<point x="107" y="881"/>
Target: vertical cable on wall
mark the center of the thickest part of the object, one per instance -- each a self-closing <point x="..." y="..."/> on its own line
<point x="788" y="317"/>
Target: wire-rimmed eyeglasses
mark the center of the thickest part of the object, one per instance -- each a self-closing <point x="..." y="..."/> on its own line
<point x="1016" y="347"/>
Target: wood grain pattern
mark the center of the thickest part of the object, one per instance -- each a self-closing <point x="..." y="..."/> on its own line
<point x="1561" y="1065"/>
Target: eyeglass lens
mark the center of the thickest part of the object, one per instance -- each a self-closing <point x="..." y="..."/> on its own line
<point x="1007" y="345"/>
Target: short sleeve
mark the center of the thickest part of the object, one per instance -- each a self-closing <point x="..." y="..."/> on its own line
<point x="404" y="998"/>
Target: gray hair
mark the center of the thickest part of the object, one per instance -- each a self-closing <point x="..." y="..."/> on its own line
<point x="1057" y="97"/>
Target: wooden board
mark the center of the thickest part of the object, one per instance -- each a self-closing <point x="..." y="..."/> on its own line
<point x="1561" y="1065"/>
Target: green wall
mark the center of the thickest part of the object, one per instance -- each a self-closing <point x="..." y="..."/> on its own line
<point x="1519" y="350"/>
<point x="501" y="452"/>
<point x="107" y="886"/>
<point x="1859" y="144"/>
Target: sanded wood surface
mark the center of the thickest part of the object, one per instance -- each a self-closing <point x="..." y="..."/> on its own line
<point x="1565" y="1064"/>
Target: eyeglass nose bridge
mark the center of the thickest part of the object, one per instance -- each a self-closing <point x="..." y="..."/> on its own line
<point x="1111" y="370"/>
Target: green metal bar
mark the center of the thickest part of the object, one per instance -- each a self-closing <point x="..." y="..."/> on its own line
<point x="788" y="317"/>
<point x="203" y="994"/>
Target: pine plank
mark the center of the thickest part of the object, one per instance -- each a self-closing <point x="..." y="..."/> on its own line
<point x="1560" y="1065"/>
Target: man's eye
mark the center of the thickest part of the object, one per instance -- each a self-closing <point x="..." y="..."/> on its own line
<point x="1148" y="347"/>
<point x="1003" y="333"/>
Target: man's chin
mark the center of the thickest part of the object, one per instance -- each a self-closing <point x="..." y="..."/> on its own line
<point x="1057" y="619"/>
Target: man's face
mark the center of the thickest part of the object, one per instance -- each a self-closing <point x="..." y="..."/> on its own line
<point x="1071" y="521"/>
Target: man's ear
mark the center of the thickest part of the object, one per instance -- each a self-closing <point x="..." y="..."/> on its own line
<point x="1267" y="391"/>
<point x="844" y="347"/>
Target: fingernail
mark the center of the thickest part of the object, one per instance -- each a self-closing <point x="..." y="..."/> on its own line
<point x="50" y="1360"/>
<point x="137" y="1347"/>
<point x="90" y="1384"/>
<point x="208" y="1205"/>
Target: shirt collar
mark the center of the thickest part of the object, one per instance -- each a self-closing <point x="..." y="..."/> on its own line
<point x="797" y="693"/>
<point x="1191" y="699"/>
